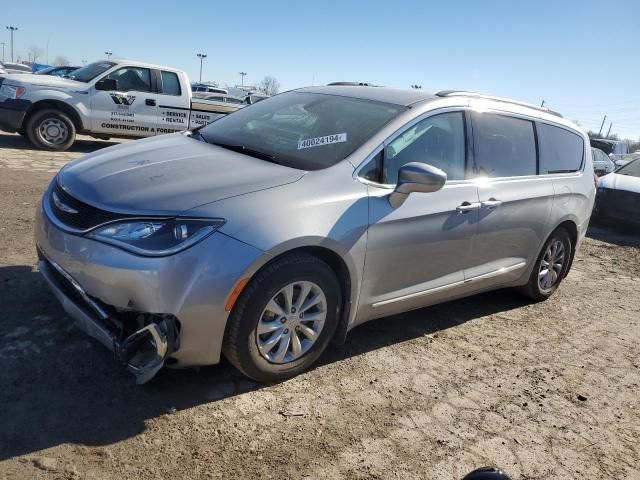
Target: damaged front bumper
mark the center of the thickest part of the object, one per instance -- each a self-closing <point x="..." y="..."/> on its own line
<point x="142" y="341"/>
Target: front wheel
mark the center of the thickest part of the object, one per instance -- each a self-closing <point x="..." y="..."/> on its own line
<point x="551" y="266"/>
<point x="284" y="319"/>
<point x="51" y="130"/>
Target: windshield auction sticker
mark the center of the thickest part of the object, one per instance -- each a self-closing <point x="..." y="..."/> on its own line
<point x="319" y="141"/>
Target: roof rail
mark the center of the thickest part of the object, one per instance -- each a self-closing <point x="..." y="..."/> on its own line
<point x="464" y="93"/>
<point x="351" y="84"/>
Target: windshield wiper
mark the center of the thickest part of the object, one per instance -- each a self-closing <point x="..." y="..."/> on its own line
<point x="247" y="151"/>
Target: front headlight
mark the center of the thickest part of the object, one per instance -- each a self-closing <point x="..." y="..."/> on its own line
<point x="12" y="92"/>
<point x="155" y="237"/>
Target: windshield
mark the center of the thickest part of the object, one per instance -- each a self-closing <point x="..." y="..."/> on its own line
<point x="308" y="131"/>
<point x="632" y="169"/>
<point x="91" y="71"/>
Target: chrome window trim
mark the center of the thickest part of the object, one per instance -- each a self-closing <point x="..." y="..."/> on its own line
<point x="356" y="173"/>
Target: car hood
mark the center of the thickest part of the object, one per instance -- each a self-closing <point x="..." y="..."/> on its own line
<point x="29" y="79"/>
<point x="168" y="175"/>
<point x="616" y="181"/>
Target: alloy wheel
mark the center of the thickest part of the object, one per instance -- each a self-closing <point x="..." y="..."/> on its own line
<point x="291" y="322"/>
<point x="551" y="265"/>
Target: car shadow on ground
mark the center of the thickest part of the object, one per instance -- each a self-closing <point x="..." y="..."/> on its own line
<point x="59" y="386"/>
<point x="81" y="145"/>
<point x="611" y="232"/>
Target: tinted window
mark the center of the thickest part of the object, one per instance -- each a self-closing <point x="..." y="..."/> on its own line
<point x="504" y="146"/>
<point x="438" y="140"/>
<point x="132" y="78"/>
<point x="560" y="150"/>
<point x="308" y="131"/>
<point x="632" y="169"/>
<point x="170" y="84"/>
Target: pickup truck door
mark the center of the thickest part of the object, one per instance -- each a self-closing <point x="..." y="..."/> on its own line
<point x="174" y="102"/>
<point x="129" y="110"/>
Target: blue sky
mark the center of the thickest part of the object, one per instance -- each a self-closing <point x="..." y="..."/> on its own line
<point x="579" y="56"/>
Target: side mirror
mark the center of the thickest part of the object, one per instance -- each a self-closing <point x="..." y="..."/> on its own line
<point x="107" y="84"/>
<point x="416" y="177"/>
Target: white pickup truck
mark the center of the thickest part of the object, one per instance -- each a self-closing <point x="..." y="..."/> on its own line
<point x="109" y="98"/>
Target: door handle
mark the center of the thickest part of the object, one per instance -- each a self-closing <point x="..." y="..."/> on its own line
<point x="150" y="101"/>
<point x="491" y="203"/>
<point x="466" y="207"/>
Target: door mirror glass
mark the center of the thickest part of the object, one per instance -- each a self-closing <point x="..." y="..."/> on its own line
<point x="107" y="84"/>
<point x="416" y="177"/>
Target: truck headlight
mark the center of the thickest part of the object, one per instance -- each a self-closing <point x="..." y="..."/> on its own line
<point x="155" y="237"/>
<point x="12" y="92"/>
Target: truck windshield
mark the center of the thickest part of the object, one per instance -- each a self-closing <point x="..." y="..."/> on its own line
<point x="308" y="131"/>
<point x="91" y="71"/>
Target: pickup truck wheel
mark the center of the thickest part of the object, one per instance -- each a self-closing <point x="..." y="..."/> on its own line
<point x="51" y="130"/>
<point x="284" y="319"/>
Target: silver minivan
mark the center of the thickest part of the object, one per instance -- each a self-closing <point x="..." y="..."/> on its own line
<point x="277" y="229"/>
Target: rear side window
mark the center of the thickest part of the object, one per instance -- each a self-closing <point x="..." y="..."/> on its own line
<point x="170" y="84"/>
<point x="561" y="151"/>
<point x="504" y="146"/>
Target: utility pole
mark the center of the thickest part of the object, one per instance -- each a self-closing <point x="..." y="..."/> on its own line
<point x="84" y="62"/>
<point x="242" y="74"/>
<point x="608" y="132"/>
<point x="3" y="45"/>
<point x="542" y="104"/>
<point x="201" y="56"/>
<point x="12" y="29"/>
<point x="602" y="125"/>
<point x="108" y="54"/>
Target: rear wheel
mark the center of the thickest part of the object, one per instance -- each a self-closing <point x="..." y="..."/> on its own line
<point x="551" y="266"/>
<point x="284" y="319"/>
<point x="51" y="130"/>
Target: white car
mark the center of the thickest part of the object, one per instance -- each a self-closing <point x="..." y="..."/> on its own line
<point x="9" y="67"/>
<point x="602" y="164"/>
<point x="618" y="194"/>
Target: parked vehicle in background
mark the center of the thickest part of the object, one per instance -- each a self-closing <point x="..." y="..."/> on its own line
<point x="602" y="164"/>
<point x="619" y="194"/>
<point x="13" y="68"/>
<point x="617" y="150"/>
<point x="621" y="162"/>
<point x="255" y="98"/>
<point x="249" y="236"/>
<point x="206" y="88"/>
<point x="57" y="71"/>
<point x="109" y="98"/>
<point x="220" y="97"/>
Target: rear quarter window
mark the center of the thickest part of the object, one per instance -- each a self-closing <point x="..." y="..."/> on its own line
<point x="561" y="151"/>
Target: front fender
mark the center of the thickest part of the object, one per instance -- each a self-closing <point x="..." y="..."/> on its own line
<point x="78" y="101"/>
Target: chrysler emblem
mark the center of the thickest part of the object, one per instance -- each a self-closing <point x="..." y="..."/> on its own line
<point x="63" y="206"/>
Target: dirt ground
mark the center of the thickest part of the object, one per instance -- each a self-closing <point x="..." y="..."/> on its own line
<point x="548" y="390"/>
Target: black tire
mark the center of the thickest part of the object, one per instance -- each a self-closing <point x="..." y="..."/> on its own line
<point x="240" y="345"/>
<point x="36" y="121"/>
<point x="533" y="289"/>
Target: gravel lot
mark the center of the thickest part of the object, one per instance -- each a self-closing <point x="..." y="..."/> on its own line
<point x="547" y="390"/>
